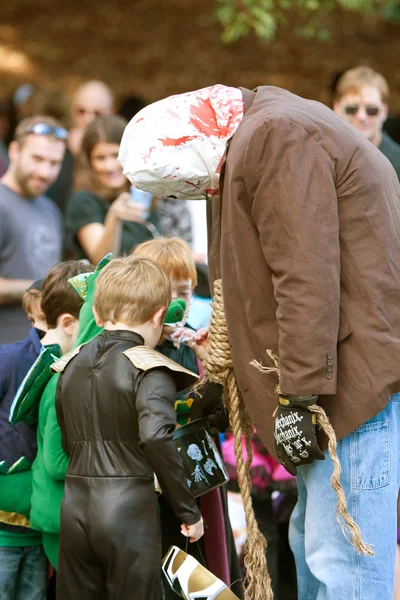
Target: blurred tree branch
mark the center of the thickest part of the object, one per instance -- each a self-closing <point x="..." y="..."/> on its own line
<point x="264" y="17"/>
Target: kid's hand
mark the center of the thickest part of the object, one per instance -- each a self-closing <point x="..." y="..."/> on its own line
<point x="200" y="343"/>
<point x="193" y="532"/>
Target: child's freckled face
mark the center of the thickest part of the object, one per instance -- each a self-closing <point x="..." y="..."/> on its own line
<point x="182" y="289"/>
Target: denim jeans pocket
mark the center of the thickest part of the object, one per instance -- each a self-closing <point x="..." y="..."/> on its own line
<point x="370" y="456"/>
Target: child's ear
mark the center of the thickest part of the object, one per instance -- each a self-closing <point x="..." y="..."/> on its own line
<point x="158" y="318"/>
<point x="99" y="322"/>
<point x="68" y="323"/>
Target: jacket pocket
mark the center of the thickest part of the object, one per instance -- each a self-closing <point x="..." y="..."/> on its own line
<point x="370" y="455"/>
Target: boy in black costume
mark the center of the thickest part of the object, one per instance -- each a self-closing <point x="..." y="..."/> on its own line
<point x="115" y="407"/>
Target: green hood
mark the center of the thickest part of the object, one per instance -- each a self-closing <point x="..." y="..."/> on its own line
<point x="25" y="406"/>
<point x="85" y="286"/>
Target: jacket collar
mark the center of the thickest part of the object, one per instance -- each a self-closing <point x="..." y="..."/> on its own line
<point x="35" y="335"/>
<point x="124" y="334"/>
<point x="214" y="208"/>
<point x="248" y="98"/>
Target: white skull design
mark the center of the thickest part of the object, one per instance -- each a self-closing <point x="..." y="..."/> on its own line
<point x="194" y="452"/>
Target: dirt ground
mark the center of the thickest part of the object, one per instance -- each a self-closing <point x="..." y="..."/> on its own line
<point x="158" y="47"/>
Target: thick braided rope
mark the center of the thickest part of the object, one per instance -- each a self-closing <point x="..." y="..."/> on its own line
<point x="219" y="369"/>
<point x="342" y="513"/>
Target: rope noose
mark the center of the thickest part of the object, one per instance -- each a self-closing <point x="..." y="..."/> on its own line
<point x="218" y="368"/>
<point x="343" y="516"/>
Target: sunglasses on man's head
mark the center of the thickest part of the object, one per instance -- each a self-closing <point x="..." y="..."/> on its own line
<point x="352" y="109"/>
<point x="44" y="129"/>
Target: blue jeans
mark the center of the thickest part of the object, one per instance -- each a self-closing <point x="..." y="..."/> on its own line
<point x="23" y="573"/>
<point x="328" y="567"/>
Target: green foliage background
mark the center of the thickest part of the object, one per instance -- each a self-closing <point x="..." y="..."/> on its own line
<point x="265" y="17"/>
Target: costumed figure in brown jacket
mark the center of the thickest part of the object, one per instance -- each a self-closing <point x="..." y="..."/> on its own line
<point x="115" y="406"/>
<point x="304" y="234"/>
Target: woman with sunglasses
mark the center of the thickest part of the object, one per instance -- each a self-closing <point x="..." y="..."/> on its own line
<point x="101" y="215"/>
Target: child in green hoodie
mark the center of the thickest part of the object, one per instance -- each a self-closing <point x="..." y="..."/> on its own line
<point x="51" y="463"/>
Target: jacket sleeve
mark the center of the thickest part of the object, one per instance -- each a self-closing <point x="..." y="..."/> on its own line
<point x="56" y="460"/>
<point x="157" y="420"/>
<point x="60" y="415"/>
<point x="290" y="182"/>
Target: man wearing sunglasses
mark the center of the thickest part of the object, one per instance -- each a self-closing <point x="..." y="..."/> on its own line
<point x="30" y="223"/>
<point x="361" y="97"/>
<point x="91" y="100"/>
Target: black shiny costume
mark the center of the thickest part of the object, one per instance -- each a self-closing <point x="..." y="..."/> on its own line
<point x="117" y="424"/>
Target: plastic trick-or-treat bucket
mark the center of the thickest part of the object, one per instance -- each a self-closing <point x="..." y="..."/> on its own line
<point x="189" y="579"/>
<point x="204" y="467"/>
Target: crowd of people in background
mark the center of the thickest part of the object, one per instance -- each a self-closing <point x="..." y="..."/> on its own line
<point x="64" y="206"/>
<point x="79" y="181"/>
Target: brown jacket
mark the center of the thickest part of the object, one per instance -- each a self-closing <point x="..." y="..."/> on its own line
<point x="306" y="239"/>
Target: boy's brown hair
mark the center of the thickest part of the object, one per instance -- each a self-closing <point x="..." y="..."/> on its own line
<point x="58" y="297"/>
<point x="353" y="80"/>
<point x="131" y="290"/>
<point x="173" y="255"/>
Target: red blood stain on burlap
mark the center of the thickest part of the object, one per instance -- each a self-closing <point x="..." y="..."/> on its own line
<point x="177" y="141"/>
<point x="204" y="120"/>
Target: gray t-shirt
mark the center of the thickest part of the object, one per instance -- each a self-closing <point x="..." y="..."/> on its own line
<point x="30" y="243"/>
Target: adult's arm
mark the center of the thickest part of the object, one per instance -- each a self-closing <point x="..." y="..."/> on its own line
<point x="97" y="240"/>
<point x="157" y="421"/>
<point x="85" y="222"/>
<point x="290" y="182"/>
<point x="12" y="290"/>
<point x="98" y="236"/>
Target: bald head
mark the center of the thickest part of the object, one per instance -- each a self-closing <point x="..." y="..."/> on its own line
<point x="90" y="101"/>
